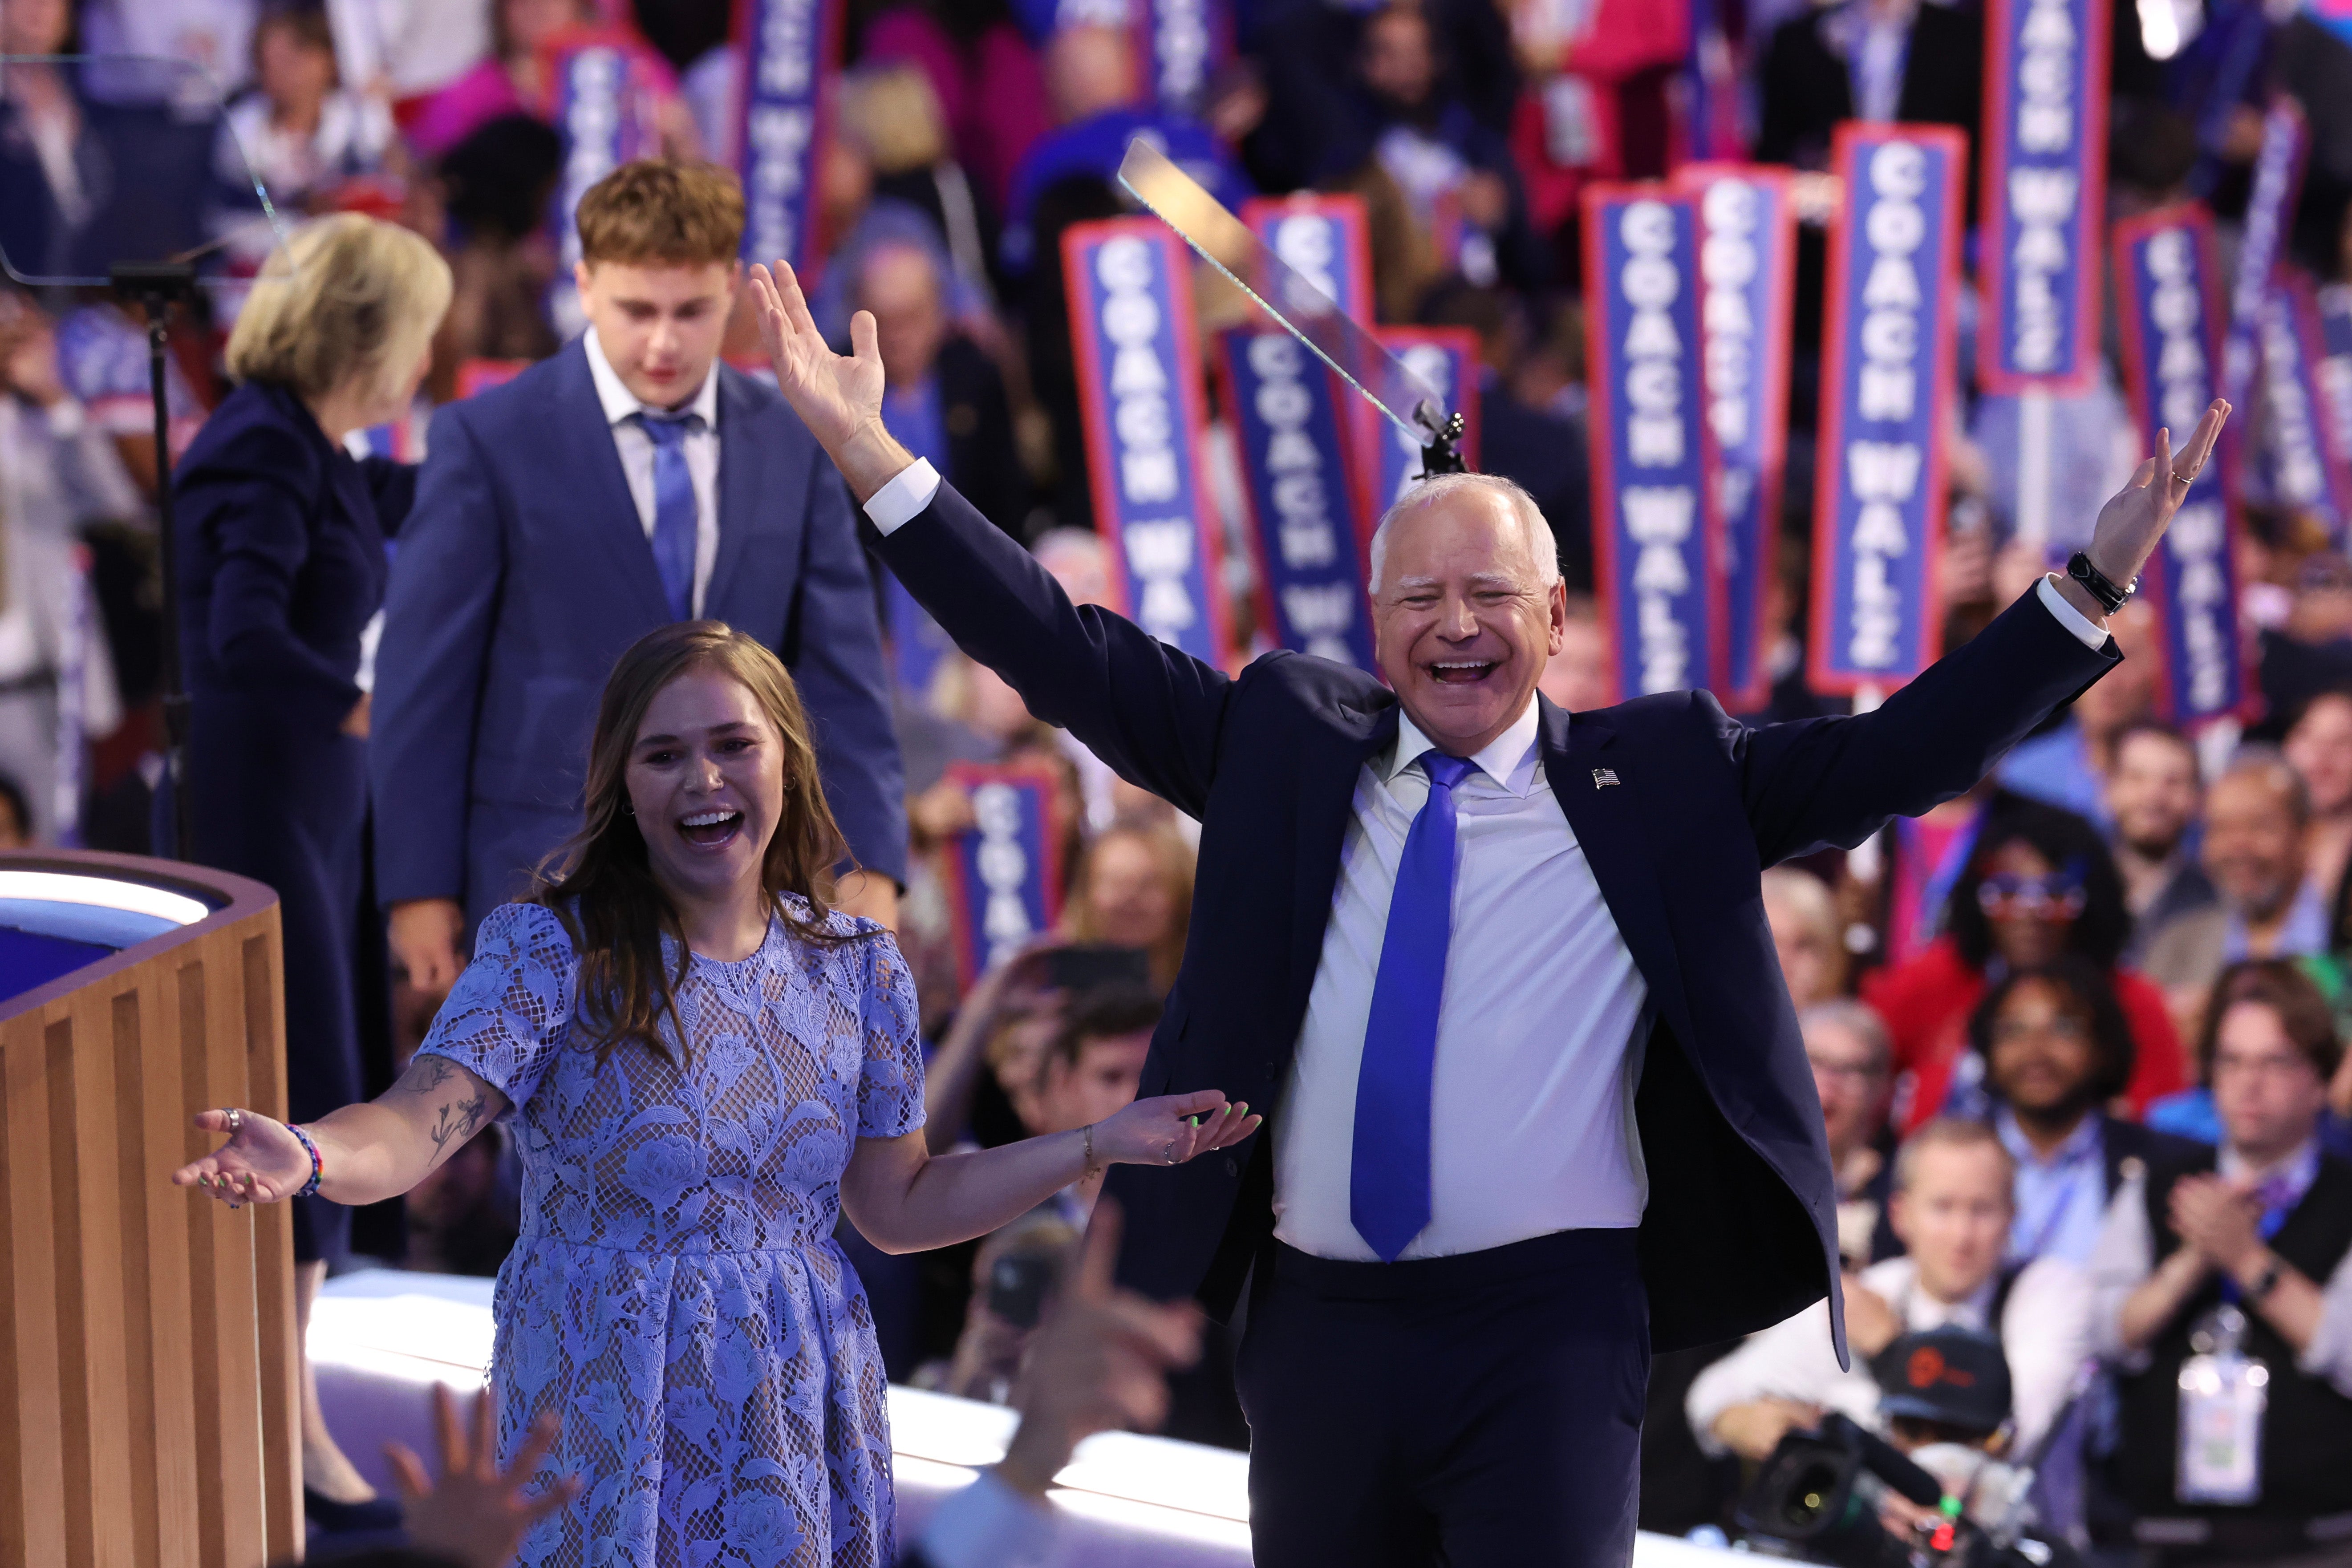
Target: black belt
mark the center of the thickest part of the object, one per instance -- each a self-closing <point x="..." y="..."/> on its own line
<point x="2242" y="1536"/>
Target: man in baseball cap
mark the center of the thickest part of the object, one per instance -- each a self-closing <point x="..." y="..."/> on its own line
<point x="1945" y="1385"/>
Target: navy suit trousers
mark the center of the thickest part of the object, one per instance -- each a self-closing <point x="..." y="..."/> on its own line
<point x="1477" y="1409"/>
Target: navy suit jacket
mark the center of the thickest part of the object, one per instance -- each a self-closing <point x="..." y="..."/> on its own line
<point x="523" y="576"/>
<point x="1741" y="1228"/>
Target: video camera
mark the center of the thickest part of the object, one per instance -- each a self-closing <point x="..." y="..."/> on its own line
<point x="1820" y="1495"/>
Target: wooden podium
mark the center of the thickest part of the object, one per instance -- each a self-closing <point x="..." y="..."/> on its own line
<point x="147" y="1338"/>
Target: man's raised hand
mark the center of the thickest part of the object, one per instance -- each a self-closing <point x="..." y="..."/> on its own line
<point x="838" y="398"/>
<point x="2130" y="524"/>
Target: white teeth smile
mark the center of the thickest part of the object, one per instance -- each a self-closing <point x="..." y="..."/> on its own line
<point x="707" y="820"/>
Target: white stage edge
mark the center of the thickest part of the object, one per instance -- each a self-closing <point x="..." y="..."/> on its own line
<point x="381" y="1340"/>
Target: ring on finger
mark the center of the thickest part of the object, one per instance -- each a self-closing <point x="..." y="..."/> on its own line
<point x="236" y="1120"/>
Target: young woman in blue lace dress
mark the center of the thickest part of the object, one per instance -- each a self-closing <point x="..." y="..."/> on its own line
<point x="704" y="1067"/>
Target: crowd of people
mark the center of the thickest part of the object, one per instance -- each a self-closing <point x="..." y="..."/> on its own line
<point x="2077" y="1034"/>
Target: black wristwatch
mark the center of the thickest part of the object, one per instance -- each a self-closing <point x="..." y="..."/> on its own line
<point x="2263" y="1287"/>
<point x="2096" y="582"/>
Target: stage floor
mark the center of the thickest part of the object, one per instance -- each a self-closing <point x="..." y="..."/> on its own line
<point x="381" y="1337"/>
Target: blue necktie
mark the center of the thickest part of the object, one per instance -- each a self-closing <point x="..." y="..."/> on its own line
<point x="673" y="506"/>
<point x="1388" y="1186"/>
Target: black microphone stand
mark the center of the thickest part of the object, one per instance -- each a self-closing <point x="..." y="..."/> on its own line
<point x="156" y="287"/>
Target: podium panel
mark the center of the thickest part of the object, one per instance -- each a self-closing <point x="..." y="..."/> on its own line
<point x="148" y="1395"/>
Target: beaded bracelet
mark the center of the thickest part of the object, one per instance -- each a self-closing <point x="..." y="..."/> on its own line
<point x="318" y="1169"/>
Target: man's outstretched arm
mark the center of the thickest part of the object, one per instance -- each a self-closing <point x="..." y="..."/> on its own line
<point x="1836" y="781"/>
<point x="1148" y="710"/>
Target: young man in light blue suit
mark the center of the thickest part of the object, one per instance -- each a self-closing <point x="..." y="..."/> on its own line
<point x="626" y="482"/>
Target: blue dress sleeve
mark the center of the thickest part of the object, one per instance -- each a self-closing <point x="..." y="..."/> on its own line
<point x="890" y="1091"/>
<point x="512" y="1009"/>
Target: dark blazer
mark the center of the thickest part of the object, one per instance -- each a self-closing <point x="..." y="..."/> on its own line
<point x="524" y="575"/>
<point x="983" y="459"/>
<point x="1741" y="1228"/>
<point x="1807" y="88"/>
<point x="282" y="566"/>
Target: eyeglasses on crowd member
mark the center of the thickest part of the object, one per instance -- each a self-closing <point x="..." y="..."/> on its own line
<point x="2038" y="883"/>
<point x="1854" y="1073"/>
<point x="2055" y="1053"/>
<point x="2224" y="1301"/>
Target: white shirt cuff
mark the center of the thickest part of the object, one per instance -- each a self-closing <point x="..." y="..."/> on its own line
<point x="988" y="1524"/>
<point x="2070" y="618"/>
<point x="910" y="490"/>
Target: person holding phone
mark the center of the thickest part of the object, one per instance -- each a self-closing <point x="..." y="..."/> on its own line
<point x="706" y="1065"/>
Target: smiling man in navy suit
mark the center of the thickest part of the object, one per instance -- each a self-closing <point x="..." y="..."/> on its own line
<point x="1500" y="976"/>
<point x="629" y="481"/>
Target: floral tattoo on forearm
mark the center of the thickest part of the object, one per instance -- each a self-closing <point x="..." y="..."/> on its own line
<point x="455" y="1120"/>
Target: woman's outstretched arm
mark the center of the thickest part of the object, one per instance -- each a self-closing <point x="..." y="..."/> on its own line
<point x="367" y="1152"/>
<point x="906" y="1199"/>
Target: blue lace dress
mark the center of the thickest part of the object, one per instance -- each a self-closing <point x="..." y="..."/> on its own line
<point x="676" y="1296"/>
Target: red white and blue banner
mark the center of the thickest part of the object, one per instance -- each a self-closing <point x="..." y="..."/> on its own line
<point x="1004" y="873"/>
<point x="1129" y="287"/>
<point x="1184" y="44"/>
<point x="2044" y="194"/>
<point x="1447" y="358"/>
<point x="788" y="49"/>
<point x="1655" y="557"/>
<point x="604" y="93"/>
<point x="1326" y="239"/>
<point x="2169" y="274"/>
<point x="2270" y="208"/>
<point x="1747" y="264"/>
<point x="1306" y="528"/>
<point x="2307" y="461"/>
<point x="1886" y="395"/>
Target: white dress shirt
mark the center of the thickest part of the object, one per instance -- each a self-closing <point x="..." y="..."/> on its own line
<point x="637" y="449"/>
<point x="1531" y="1094"/>
<point x="2045" y="1334"/>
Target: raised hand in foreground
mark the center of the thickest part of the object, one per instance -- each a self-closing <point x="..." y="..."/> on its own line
<point x="1099" y="1364"/>
<point x="477" y="1514"/>
<point x="838" y="398"/>
<point x="2135" y="518"/>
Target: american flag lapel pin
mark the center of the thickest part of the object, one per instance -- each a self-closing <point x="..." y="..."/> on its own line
<point x="1603" y="777"/>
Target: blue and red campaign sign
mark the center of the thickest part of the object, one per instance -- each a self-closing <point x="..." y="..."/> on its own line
<point x="1004" y="873"/>
<point x="1747" y="264"/>
<point x="788" y="49"/>
<point x="1184" y="43"/>
<point x="1886" y="390"/>
<point x="1129" y="288"/>
<point x="2310" y="466"/>
<point x="1326" y="239"/>
<point x="1657" y="562"/>
<point x="2044" y="193"/>
<point x="1447" y="358"/>
<point x="604" y="92"/>
<point x="1291" y="415"/>
<point x="2270" y="203"/>
<point x="2168" y="275"/>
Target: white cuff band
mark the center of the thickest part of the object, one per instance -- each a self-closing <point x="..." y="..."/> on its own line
<point x="910" y="490"/>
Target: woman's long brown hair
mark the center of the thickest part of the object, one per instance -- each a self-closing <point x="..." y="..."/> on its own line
<point x="601" y="884"/>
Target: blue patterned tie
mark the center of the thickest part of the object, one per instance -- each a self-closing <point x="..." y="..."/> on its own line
<point x="673" y="506"/>
<point x="1388" y="1187"/>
